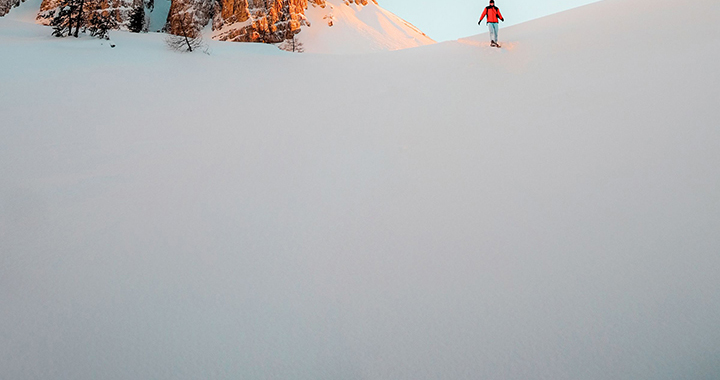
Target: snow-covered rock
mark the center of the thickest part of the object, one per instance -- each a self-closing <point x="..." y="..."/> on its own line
<point x="324" y="26"/>
<point x="259" y="20"/>
<point x="198" y="13"/>
<point x="340" y="26"/>
<point x="319" y="26"/>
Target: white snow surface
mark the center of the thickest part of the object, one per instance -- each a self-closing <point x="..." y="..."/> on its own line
<point x="550" y="210"/>
<point x="357" y="29"/>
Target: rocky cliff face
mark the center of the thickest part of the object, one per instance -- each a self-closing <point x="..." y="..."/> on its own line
<point x="264" y="20"/>
<point x="259" y="20"/>
<point x="269" y="21"/>
<point x="342" y="26"/>
<point x="354" y="23"/>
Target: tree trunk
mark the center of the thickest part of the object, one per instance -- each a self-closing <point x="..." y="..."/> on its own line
<point x="183" y="27"/>
<point x="78" y="19"/>
<point x="188" y="44"/>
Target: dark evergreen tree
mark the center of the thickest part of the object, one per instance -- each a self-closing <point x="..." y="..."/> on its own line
<point x="100" y="23"/>
<point x="79" y="19"/>
<point x="72" y="16"/>
<point x="137" y="18"/>
<point x="62" y="18"/>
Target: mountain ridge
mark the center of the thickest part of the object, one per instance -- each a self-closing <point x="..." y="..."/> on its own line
<point x="275" y="22"/>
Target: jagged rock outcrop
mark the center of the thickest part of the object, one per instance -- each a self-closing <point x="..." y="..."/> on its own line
<point x="268" y="21"/>
<point x="194" y="14"/>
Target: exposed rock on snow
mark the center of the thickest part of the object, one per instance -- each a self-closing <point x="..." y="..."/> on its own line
<point x="359" y="25"/>
<point x="277" y="21"/>
<point x="259" y="20"/>
<point x="363" y="25"/>
<point x="199" y="11"/>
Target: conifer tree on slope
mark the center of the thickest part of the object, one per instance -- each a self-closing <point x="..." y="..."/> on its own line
<point x="100" y="23"/>
<point x="68" y="15"/>
<point x="72" y="15"/>
<point x="79" y="18"/>
<point x="62" y="18"/>
<point x="137" y="17"/>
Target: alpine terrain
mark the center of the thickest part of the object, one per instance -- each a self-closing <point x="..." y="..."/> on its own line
<point x="328" y="26"/>
<point x="547" y="210"/>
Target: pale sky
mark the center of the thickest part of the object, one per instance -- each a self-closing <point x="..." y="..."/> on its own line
<point x="452" y="19"/>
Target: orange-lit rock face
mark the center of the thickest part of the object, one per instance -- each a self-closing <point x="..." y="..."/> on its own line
<point x="260" y="20"/>
<point x="263" y="20"/>
<point x="45" y="8"/>
<point x="235" y="11"/>
<point x="269" y="21"/>
<point x="190" y="14"/>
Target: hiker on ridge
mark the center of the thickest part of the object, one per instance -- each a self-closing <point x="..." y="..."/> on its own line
<point x="493" y="14"/>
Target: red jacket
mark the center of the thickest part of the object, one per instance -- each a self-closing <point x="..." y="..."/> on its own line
<point x="492" y="13"/>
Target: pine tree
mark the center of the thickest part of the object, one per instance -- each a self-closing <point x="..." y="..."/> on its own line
<point x="100" y="23"/>
<point x="62" y="18"/>
<point x="137" y="18"/>
<point x="79" y="18"/>
<point x="73" y="16"/>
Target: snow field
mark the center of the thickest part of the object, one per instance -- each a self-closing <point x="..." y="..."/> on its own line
<point x="549" y="211"/>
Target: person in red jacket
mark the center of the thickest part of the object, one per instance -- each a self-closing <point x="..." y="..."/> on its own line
<point x="493" y="14"/>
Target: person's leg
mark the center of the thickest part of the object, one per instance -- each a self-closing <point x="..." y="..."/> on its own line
<point x="493" y="27"/>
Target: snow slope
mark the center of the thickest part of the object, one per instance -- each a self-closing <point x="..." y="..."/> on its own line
<point x="546" y="211"/>
<point x="352" y="28"/>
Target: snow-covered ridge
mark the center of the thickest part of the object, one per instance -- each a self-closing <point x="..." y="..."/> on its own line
<point x="319" y="26"/>
<point x="342" y="27"/>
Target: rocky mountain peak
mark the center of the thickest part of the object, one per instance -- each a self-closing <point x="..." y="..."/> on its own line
<point x="328" y="26"/>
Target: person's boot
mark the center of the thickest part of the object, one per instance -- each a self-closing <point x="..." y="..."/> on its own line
<point x="493" y="44"/>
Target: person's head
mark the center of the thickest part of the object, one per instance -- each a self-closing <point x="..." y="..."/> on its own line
<point x="492" y="2"/>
